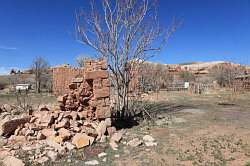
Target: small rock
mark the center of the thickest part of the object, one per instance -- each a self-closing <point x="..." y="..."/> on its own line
<point x="92" y="162"/>
<point x="60" y="117"/>
<point x="69" y="146"/>
<point x="3" y="142"/>
<point x="17" y="131"/>
<point x="31" y="138"/>
<point x="56" y="146"/>
<point x="151" y="143"/>
<point x="43" y="108"/>
<point x="53" y="155"/>
<point x="111" y="130"/>
<point x="29" y="133"/>
<point x="63" y="124"/>
<point x="40" y="136"/>
<point x="12" y="161"/>
<point x="82" y="140"/>
<point x="64" y="133"/>
<point x="4" y="154"/>
<point x="113" y="145"/>
<point x="117" y="136"/>
<point x="61" y="99"/>
<point x="104" y="159"/>
<point x="27" y="148"/>
<point x="57" y="139"/>
<point x="5" y="115"/>
<point x="134" y="142"/>
<point x="16" y="147"/>
<point x="42" y="160"/>
<point x="7" y="108"/>
<point x="108" y="122"/>
<point x="38" y="151"/>
<point x="48" y="132"/>
<point x="33" y="119"/>
<point x="101" y="129"/>
<point x="102" y="154"/>
<point x="148" y="138"/>
<point x="103" y="138"/>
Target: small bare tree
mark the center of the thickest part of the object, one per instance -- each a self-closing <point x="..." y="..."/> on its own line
<point x="154" y="77"/>
<point x="39" y="67"/>
<point x="23" y="101"/>
<point x="125" y="33"/>
<point x="187" y="76"/>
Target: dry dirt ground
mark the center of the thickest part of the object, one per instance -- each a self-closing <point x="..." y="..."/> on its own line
<point x="202" y="130"/>
<point x="33" y="99"/>
<point x="205" y="130"/>
<point x="211" y="129"/>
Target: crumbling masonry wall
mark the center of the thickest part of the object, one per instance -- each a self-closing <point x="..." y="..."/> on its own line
<point x="63" y="76"/>
<point x="86" y="91"/>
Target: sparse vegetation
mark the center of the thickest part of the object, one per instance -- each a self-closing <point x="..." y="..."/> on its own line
<point x="225" y="73"/>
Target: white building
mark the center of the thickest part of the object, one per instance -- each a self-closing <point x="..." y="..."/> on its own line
<point x="22" y="87"/>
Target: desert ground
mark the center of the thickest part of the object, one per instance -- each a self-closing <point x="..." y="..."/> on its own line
<point x="206" y="129"/>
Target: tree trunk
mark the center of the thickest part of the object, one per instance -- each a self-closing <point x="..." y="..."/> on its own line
<point x="39" y="87"/>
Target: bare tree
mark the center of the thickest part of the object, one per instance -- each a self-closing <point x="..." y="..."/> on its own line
<point x="154" y="77"/>
<point x="125" y="33"/>
<point x="187" y="76"/>
<point x="225" y="73"/>
<point x="39" y="67"/>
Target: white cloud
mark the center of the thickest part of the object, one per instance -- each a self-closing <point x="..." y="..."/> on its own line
<point x="7" y="48"/>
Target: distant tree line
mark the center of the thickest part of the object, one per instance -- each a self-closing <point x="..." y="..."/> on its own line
<point x="224" y="74"/>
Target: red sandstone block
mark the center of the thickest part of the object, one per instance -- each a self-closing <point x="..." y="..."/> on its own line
<point x="83" y="114"/>
<point x="78" y="80"/>
<point x="103" y="64"/>
<point x="72" y="86"/>
<point x="8" y="127"/>
<point x="97" y="83"/>
<point x="106" y="101"/>
<point x="97" y="102"/>
<point x="101" y="93"/>
<point x="105" y="83"/>
<point x="102" y="112"/>
<point x="92" y="75"/>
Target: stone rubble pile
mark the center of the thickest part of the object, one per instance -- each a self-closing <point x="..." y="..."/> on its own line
<point x="84" y="109"/>
<point x="81" y="117"/>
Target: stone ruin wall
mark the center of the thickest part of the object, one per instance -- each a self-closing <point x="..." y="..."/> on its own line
<point x="62" y="77"/>
<point x="84" y="88"/>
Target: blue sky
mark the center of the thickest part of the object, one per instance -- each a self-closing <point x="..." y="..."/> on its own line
<point x="212" y="30"/>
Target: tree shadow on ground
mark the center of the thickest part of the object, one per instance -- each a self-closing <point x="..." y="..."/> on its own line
<point x="149" y="111"/>
<point x="158" y="108"/>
